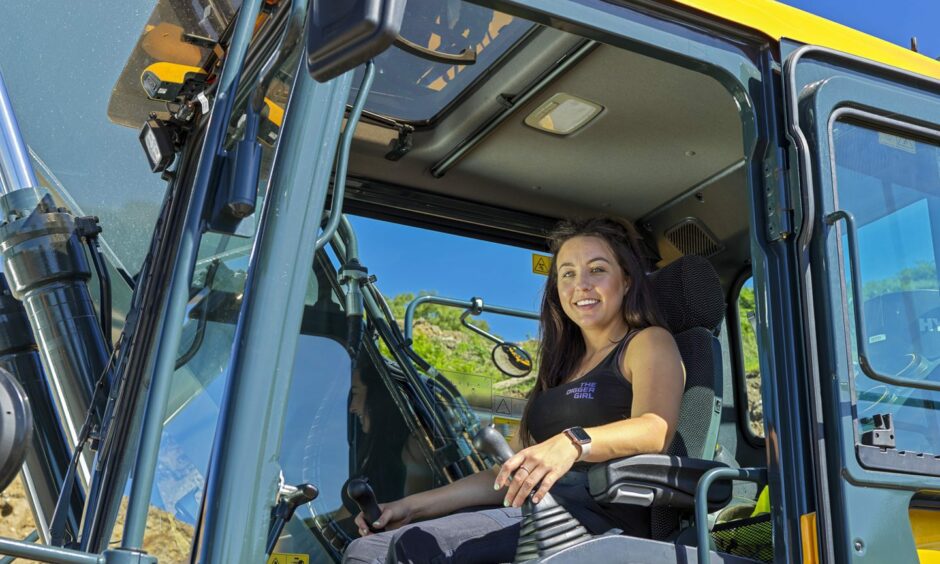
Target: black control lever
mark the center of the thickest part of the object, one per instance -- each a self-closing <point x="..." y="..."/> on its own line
<point x="492" y="443"/>
<point x="359" y="490"/>
<point x="291" y="498"/>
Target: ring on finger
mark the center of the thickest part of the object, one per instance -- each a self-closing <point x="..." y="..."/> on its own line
<point x="524" y="468"/>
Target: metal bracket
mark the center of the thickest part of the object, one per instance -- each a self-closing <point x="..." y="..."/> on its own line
<point x="882" y="436"/>
<point x="403" y="145"/>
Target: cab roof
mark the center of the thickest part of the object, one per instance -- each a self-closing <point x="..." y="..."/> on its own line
<point x="778" y="21"/>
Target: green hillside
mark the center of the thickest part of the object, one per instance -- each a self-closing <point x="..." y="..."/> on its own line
<point x="461" y="355"/>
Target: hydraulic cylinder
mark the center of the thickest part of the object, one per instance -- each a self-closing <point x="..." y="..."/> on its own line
<point x="47" y="270"/>
<point x="48" y="456"/>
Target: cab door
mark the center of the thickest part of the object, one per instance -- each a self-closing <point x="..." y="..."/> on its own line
<point x="867" y="142"/>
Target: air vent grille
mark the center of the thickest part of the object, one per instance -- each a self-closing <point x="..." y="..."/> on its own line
<point x="691" y="237"/>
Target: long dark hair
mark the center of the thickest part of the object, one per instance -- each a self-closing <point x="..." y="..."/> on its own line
<point x="561" y="345"/>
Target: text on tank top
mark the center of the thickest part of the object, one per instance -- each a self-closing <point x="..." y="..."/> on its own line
<point x="599" y="397"/>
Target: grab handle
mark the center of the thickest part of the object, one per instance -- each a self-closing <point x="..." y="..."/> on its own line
<point x="861" y="339"/>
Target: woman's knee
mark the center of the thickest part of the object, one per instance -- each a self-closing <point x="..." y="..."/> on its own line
<point x="413" y="544"/>
<point x="368" y="550"/>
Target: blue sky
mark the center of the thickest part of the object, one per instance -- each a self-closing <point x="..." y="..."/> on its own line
<point x="895" y="21"/>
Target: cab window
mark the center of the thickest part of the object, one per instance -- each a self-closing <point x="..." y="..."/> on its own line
<point x="753" y="412"/>
<point x="891" y="183"/>
<point x="461" y="268"/>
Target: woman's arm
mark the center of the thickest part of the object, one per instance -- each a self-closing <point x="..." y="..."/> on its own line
<point x="654" y="367"/>
<point x="655" y="370"/>
<point x="470" y="491"/>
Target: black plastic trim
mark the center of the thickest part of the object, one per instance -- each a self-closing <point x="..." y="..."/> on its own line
<point x="447" y="214"/>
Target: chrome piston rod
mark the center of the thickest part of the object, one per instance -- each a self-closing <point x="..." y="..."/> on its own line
<point x="15" y="170"/>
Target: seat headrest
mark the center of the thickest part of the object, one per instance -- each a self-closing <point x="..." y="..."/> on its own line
<point x="688" y="293"/>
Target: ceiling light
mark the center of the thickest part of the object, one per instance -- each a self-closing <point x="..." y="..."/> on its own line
<point x="563" y="114"/>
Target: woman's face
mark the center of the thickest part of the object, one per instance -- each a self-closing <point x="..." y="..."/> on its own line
<point x="357" y="403"/>
<point x="591" y="283"/>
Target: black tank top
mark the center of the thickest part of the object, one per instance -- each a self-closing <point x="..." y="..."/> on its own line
<point x="599" y="397"/>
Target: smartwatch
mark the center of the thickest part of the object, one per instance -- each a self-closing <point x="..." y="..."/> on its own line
<point x="580" y="439"/>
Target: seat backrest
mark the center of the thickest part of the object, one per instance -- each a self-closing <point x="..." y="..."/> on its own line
<point x="688" y="293"/>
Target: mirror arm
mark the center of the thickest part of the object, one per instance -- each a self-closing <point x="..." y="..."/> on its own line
<point x="465" y="57"/>
<point x="477" y="330"/>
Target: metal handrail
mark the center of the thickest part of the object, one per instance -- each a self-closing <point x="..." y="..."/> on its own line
<point x="339" y="181"/>
<point x="701" y="501"/>
<point x="475" y="304"/>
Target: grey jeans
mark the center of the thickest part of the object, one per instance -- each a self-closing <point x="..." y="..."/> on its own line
<point x="478" y="535"/>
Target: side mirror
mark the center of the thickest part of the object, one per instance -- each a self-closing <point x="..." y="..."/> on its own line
<point x="512" y="360"/>
<point x="343" y="34"/>
<point x="16" y="427"/>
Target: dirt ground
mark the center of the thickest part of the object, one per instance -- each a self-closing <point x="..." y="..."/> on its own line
<point x="166" y="537"/>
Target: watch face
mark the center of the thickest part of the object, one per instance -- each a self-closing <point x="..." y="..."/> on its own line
<point x="580" y="435"/>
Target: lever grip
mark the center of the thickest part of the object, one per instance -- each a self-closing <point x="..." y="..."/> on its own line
<point x="359" y="490"/>
<point x="491" y="442"/>
<point x="305" y="493"/>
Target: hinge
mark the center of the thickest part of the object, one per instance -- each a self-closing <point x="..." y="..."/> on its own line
<point x="780" y="215"/>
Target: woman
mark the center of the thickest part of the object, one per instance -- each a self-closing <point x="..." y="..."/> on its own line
<point x="609" y="385"/>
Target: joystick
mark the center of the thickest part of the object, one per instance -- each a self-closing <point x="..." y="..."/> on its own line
<point x="359" y="490"/>
<point x="547" y="527"/>
<point x="491" y="442"/>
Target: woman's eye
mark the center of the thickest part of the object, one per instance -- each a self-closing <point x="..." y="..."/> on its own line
<point x="567" y="274"/>
<point x="597" y="269"/>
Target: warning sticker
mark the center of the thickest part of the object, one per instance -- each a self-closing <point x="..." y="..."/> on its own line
<point x="541" y="264"/>
<point x="288" y="558"/>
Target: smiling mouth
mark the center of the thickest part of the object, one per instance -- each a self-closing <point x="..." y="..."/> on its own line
<point x="586" y="303"/>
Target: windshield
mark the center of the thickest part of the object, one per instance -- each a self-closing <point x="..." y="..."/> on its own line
<point x="61" y="68"/>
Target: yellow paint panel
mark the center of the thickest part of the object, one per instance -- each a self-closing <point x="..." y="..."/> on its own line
<point x="928" y="556"/>
<point x="779" y="21"/>
<point x="541" y="264"/>
<point x="808" y="539"/>
<point x="925" y="524"/>
<point x="288" y="558"/>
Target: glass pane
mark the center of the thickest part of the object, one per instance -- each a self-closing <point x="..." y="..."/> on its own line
<point x="891" y="183"/>
<point x="60" y="63"/>
<point x="459" y="267"/>
<point x="342" y="422"/>
<point x="747" y="320"/>
<point x="415" y="89"/>
<point x="199" y="382"/>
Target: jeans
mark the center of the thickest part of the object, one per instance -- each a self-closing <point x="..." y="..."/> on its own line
<point x="477" y="535"/>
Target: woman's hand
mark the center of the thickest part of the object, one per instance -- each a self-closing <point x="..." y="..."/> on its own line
<point x="394" y="515"/>
<point x="543" y="464"/>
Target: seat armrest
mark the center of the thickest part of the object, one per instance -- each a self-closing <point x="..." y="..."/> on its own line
<point x="655" y="480"/>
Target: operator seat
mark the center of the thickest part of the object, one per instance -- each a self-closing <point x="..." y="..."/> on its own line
<point x="688" y="293"/>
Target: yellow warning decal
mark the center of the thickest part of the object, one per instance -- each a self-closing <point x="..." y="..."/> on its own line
<point x="288" y="558"/>
<point x="541" y="264"/>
